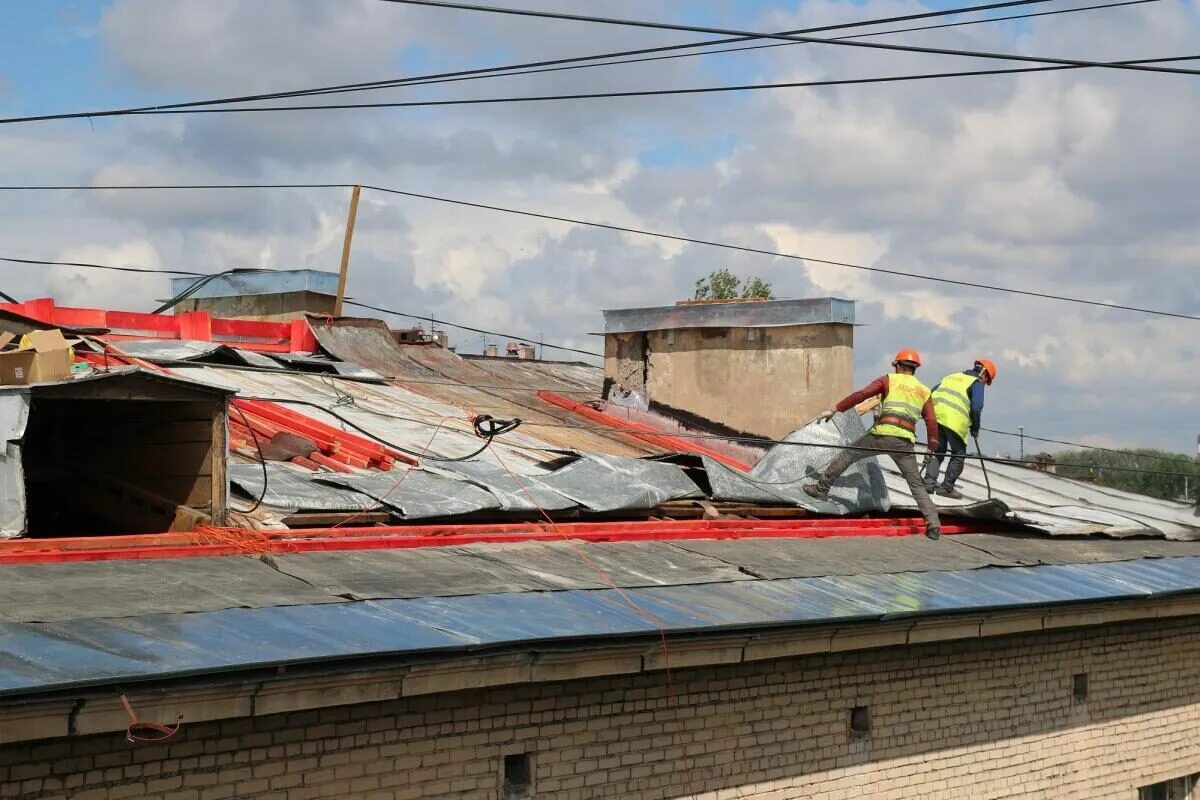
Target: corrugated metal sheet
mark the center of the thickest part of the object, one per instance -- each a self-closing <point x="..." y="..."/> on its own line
<point x="1058" y="505"/>
<point x="61" y="655"/>
<point x="560" y="376"/>
<point x="442" y="375"/>
<point x="528" y="493"/>
<point x="417" y="494"/>
<point x="610" y="483"/>
<point x="293" y="489"/>
<point x="779" y="476"/>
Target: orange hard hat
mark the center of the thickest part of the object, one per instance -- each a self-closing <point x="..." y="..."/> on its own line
<point x="988" y="371"/>
<point x="907" y="357"/>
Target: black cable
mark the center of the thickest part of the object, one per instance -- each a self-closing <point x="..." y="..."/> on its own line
<point x="749" y="87"/>
<point x="759" y="251"/>
<point x="201" y="282"/>
<point x="488" y="429"/>
<point x="8" y="299"/>
<point x="518" y="71"/>
<point x="1083" y="446"/>
<point x="99" y="266"/>
<point x="195" y="108"/>
<point x="903" y="48"/>
<point x="759" y="441"/>
<point x="639" y="232"/>
<point x="475" y="330"/>
<point x="262" y="460"/>
<point x="502" y="70"/>
<point x="64" y="187"/>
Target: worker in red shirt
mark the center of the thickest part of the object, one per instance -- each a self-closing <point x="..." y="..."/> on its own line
<point x="905" y="400"/>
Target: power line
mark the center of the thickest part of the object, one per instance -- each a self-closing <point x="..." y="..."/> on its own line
<point x="205" y="106"/>
<point x="749" y="87"/>
<point x="477" y="330"/>
<point x="86" y="265"/>
<point x="206" y="277"/>
<point x="775" y="254"/>
<point x="639" y="232"/>
<point x="558" y="15"/>
<point x="499" y="71"/>
<point x="1083" y="446"/>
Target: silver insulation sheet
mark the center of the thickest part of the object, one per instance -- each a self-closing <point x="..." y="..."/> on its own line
<point x="779" y="476"/>
<point x="14" y="415"/>
<point x="614" y="483"/>
<point x="415" y="493"/>
<point x="291" y="489"/>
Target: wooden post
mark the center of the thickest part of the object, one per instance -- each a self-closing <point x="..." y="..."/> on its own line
<point x="345" y="269"/>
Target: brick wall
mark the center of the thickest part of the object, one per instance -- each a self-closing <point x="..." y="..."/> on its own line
<point x="993" y="718"/>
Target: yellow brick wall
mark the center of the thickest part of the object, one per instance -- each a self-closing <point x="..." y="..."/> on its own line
<point x="983" y="719"/>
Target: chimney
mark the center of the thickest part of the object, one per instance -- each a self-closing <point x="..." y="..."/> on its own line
<point x="491" y="351"/>
<point x="761" y="367"/>
<point x="279" y="295"/>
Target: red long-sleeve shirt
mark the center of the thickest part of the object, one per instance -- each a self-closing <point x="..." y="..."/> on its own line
<point x="879" y="388"/>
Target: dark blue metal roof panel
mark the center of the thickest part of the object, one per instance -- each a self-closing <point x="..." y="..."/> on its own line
<point x="62" y="655"/>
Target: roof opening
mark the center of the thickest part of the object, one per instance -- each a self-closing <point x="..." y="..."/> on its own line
<point x="123" y="454"/>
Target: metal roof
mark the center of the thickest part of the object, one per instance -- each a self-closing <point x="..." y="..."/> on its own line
<point x="51" y="656"/>
<point x="733" y="314"/>
<point x="269" y="282"/>
<point x="1062" y="506"/>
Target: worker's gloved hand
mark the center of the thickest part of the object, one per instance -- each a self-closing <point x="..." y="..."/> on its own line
<point x="826" y="416"/>
<point x="974" y="433"/>
<point x="933" y="446"/>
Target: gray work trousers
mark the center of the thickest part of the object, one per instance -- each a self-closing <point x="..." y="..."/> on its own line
<point x="903" y="453"/>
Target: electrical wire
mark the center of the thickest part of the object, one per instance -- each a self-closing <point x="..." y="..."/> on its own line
<point x="86" y="265"/>
<point x="206" y="107"/>
<point x="1082" y="446"/>
<point x="484" y="425"/>
<point x="776" y="254"/>
<point x="530" y="67"/>
<point x="8" y="298"/>
<point x="640" y="232"/>
<point x="203" y="281"/>
<point x="262" y="460"/>
<point x="517" y="71"/>
<point x="667" y="26"/>
<point x="475" y="330"/>
<point x="760" y="441"/>
<point x="748" y="87"/>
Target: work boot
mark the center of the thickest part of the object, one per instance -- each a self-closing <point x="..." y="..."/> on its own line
<point x="954" y="494"/>
<point x="930" y="487"/>
<point x="815" y="490"/>
<point x="933" y="533"/>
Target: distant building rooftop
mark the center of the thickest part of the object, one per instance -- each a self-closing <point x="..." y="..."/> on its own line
<point x="732" y="314"/>
<point x="266" y="282"/>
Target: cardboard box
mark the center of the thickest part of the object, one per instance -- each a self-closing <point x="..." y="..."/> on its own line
<point x="47" y="357"/>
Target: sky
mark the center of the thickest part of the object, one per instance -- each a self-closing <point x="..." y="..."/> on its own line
<point x="1079" y="183"/>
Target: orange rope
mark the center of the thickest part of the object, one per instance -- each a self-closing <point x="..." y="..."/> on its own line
<point x="607" y="578"/>
<point x="408" y="469"/>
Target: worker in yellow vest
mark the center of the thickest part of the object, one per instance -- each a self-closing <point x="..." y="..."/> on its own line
<point x="905" y="400"/>
<point x="958" y="403"/>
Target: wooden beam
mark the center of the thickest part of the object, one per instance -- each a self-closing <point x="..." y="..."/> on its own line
<point x="345" y="268"/>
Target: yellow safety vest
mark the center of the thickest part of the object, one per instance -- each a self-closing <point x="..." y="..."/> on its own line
<point x="901" y="408"/>
<point x="952" y="404"/>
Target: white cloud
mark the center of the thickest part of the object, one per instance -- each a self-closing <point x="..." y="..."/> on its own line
<point x="1073" y="182"/>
